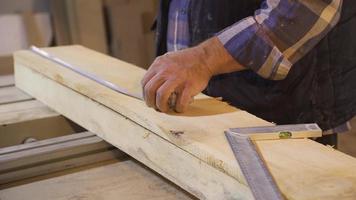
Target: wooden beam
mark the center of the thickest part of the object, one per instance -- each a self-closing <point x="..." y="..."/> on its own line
<point x="33" y="33"/>
<point x="56" y="154"/>
<point x="24" y="111"/>
<point x="121" y="180"/>
<point x="7" y="80"/>
<point x="31" y="119"/>
<point x="21" y="117"/>
<point x="79" y="22"/>
<point x="12" y="94"/>
<point x="86" y="24"/>
<point x="199" y="160"/>
<point x="135" y="140"/>
<point x="130" y="22"/>
<point x="60" y="22"/>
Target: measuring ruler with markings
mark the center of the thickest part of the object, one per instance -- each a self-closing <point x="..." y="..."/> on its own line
<point x="254" y="169"/>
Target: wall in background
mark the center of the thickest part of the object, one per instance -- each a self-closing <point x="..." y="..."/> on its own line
<point x="11" y="6"/>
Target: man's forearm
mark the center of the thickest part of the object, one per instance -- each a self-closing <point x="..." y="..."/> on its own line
<point x="216" y="58"/>
<point x="279" y="34"/>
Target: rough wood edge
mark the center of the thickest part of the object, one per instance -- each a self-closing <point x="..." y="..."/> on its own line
<point x="197" y="177"/>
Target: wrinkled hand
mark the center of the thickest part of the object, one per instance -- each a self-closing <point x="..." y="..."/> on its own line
<point x="183" y="72"/>
<point x="186" y="72"/>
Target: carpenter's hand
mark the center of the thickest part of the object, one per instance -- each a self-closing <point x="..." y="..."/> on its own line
<point x="182" y="72"/>
<point x="186" y="72"/>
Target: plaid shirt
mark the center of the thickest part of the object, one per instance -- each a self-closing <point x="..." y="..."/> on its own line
<point x="271" y="41"/>
<point x="178" y="27"/>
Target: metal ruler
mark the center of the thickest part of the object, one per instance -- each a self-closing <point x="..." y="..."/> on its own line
<point x="44" y="54"/>
<point x="255" y="171"/>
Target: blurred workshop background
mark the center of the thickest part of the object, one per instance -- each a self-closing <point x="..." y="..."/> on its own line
<point x="120" y="28"/>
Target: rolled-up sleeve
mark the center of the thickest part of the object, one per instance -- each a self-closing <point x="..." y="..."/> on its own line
<point x="279" y="34"/>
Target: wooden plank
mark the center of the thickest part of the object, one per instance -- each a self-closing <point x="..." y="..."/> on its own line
<point x="79" y="22"/>
<point x="51" y="155"/>
<point x="24" y="111"/>
<point x="86" y="24"/>
<point x="199" y="160"/>
<point x="58" y="168"/>
<point x="60" y="22"/>
<point x="137" y="141"/>
<point x="347" y="141"/>
<point x="47" y="142"/>
<point x="128" y="35"/>
<point x="31" y="119"/>
<point x="12" y="94"/>
<point x="122" y="180"/>
<point x="131" y="37"/>
<point x="7" y="80"/>
<point x="34" y="35"/>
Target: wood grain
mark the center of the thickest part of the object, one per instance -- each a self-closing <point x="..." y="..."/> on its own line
<point x="123" y="180"/>
<point x="135" y="140"/>
<point x="24" y="111"/>
<point x="21" y="120"/>
<point x="199" y="160"/>
<point x="56" y="154"/>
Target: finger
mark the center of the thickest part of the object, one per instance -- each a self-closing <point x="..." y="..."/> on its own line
<point x="184" y="99"/>
<point x="163" y="93"/>
<point x="152" y="70"/>
<point x="150" y="90"/>
<point x="148" y="76"/>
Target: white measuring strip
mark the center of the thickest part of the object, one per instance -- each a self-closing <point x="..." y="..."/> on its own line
<point x="83" y="73"/>
<point x="171" y="100"/>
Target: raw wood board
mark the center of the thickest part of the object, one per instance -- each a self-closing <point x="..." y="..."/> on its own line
<point x="122" y="180"/>
<point x="7" y="80"/>
<point x="12" y="94"/>
<point x="22" y="117"/>
<point x="31" y="118"/>
<point x="347" y="141"/>
<point x="24" y="111"/>
<point x="79" y="22"/>
<point x="51" y="155"/>
<point x="147" y="147"/>
<point x="132" y="40"/>
<point x="200" y="160"/>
